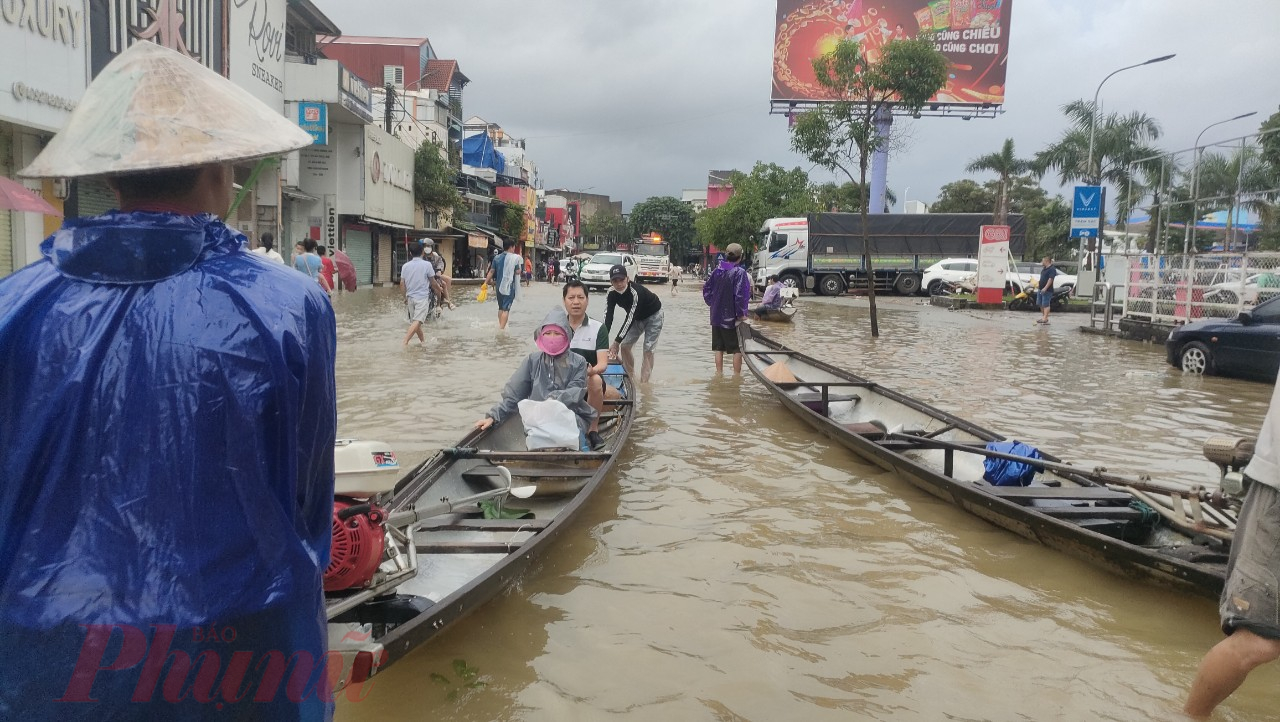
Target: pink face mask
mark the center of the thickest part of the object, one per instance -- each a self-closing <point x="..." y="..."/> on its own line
<point x="552" y="340"/>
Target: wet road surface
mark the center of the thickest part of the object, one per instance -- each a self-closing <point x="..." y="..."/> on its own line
<point x="736" y="566"/>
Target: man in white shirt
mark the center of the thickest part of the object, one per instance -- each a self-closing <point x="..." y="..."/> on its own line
<point x="267" y="249"/>
<point x="506" y="269"/>
<point x="418" y="281"/>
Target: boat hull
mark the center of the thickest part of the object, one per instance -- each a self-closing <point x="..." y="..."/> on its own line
<point x="463" y="560"/>
<point x="1120" y="557"/>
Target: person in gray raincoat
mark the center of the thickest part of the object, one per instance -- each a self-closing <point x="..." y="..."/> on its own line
<point x="551" y="372"/>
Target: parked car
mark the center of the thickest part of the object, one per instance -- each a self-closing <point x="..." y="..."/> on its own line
<point x="1247" y="346"/>
<point x="1255" y="288"/>
<point x="595" y="274"/>
<point x="951" y="270"/>
<point x="1029" y="273"/>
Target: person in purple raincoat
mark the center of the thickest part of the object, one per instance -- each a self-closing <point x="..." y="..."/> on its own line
<point x="728" y="293"/>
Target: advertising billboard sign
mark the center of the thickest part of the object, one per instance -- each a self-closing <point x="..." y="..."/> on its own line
<point x="993" y="263"/>
<point x="314" y="118"/>
<point x="1086" y="211"/>
<point x="972" y="34"/>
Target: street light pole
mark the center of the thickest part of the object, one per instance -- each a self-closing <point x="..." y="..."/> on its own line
<point x="1188" y="236"/>
<point x="1093" y="112"/>
<point x="1096" y="176"/>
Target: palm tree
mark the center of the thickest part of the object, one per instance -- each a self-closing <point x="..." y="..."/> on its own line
<point x="1225" y="184"/>
<point x="1121" y="143"/>
<point x="1006" y="165"/>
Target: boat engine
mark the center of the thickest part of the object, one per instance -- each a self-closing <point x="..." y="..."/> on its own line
<point x="362" y="471"/>
<point x="1231" y="456"/>
<point x="357" y="546"/>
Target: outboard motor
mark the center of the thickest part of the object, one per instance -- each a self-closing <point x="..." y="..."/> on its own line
<point x="362" y="471"/>
<point x="1231" y="456"/>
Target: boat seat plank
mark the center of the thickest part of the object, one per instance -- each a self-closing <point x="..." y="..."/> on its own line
<point x="488" y="525"/>
<point x="467" y="547"/>
<point x="1091" y="512"/>
<point x="560" y="473"/>
<point x="549" y="456"/>
<point x="1084" y="493"/>
<point x="813" y="396"/>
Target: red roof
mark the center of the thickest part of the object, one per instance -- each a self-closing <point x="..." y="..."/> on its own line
<point x="373" y="40"/>
<point x="439" y="75"/>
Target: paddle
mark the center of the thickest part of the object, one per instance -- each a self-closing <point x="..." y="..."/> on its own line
<point x="1096" y="476"/>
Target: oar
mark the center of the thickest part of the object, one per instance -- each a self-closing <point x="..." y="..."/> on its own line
<point x="1041" y="464"/>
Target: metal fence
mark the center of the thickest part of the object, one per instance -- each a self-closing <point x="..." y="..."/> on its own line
<point x="1176" y="289"/>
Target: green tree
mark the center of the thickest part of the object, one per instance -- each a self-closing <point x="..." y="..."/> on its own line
<point x="1121" y="142"/>
<point x="435" y="181"/>
<point x="843" y="134"/>
<point x="667" y="216"/>
<point x="769" y="191"/>
<point x="509" y="219"/>
<point x="963" y="196"/>
<point x="606" y="228"/>
<point x="847" y="198"/>
<point x="1005" y="164"/>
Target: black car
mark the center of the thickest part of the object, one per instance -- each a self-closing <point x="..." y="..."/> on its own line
<point x="1246" y="346"/>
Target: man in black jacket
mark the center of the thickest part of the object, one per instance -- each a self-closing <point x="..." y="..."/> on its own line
<point x="644" y="315"/>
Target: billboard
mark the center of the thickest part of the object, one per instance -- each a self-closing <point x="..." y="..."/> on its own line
<point x="972" y="34"/>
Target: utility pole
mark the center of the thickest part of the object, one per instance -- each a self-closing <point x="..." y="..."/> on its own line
<point x="391" y="100"/>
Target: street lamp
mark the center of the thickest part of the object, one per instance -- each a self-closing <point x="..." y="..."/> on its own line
<point x="1095" y="178"/>
<point x="1093" y="111"/>
<point x="1188" y="235"/>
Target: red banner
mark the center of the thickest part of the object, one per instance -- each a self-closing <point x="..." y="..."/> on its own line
<point x="973" y="34"/>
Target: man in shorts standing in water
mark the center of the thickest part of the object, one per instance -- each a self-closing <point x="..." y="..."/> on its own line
<point x="504" y="275"/>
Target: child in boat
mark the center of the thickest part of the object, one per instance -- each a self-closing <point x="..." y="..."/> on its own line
<point x="551" y="372"/>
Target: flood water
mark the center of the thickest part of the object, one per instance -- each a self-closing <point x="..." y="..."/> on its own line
<point x="736" y="566"/>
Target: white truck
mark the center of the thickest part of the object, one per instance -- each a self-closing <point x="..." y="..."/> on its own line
<point x="783" y="250"/>
<point x="654" y="257"/>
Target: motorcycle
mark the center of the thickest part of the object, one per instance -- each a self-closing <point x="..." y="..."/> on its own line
<point x="1026" y="300"/>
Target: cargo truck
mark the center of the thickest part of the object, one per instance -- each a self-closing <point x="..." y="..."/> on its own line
<point x="902" y="247"/>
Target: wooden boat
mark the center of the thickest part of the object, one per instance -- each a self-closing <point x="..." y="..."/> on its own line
<point x="784" y="314"/>
<point x="453" y="559"/>
<point x="1063" y="509"/>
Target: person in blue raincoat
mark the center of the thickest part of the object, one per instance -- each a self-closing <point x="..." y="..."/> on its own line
<point x="167" y="419"/>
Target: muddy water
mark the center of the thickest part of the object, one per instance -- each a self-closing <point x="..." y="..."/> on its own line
<point x="735" y="567"/>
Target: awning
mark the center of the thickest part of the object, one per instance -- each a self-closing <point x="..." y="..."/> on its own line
<point x="388" y="224"/>
<point x="296" y="194"/>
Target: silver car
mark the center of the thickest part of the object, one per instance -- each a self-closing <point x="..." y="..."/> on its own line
<point x="595" y="272"/>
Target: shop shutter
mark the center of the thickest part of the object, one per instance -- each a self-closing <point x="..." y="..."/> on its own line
<point x="359" y="247"/>
<point x="93" y="197"/>
<point x="384" y="258"/>
<point x="6" y="225"/>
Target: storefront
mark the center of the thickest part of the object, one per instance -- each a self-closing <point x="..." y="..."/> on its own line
<point x="387" y="213"/>
<point x="46" y="69"/>
<point x="323" y="185"/>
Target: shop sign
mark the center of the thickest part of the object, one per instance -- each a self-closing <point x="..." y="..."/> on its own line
<point x="191" y="27"/>
<point x="44" y="51"/>
<point x="314" y="118"/>
<point x="356" y="96"/>
<point x="255" y="54"/>
<point x="388" y="177"/>
<point x="993" y="263"/>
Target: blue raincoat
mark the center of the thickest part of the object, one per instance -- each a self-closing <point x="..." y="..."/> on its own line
<point x="167" y="418"/>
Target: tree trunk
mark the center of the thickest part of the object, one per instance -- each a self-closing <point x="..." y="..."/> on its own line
<point x="866" y="248"/>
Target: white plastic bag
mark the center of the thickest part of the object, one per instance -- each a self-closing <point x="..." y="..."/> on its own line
<point x="548" y="425"/>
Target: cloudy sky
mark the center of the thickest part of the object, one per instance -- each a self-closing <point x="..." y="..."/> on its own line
<point x="637" y="99"/>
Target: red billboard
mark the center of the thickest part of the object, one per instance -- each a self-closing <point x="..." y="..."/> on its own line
<point x="973" y="34"/>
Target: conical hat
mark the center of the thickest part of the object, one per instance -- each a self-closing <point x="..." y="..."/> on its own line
<point x="153" y="108"/>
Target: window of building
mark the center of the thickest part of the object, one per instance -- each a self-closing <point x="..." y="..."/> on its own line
<point x="393" y="75"/>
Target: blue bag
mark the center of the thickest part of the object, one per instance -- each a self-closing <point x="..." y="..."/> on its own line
<point x="1005" y="472"/>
